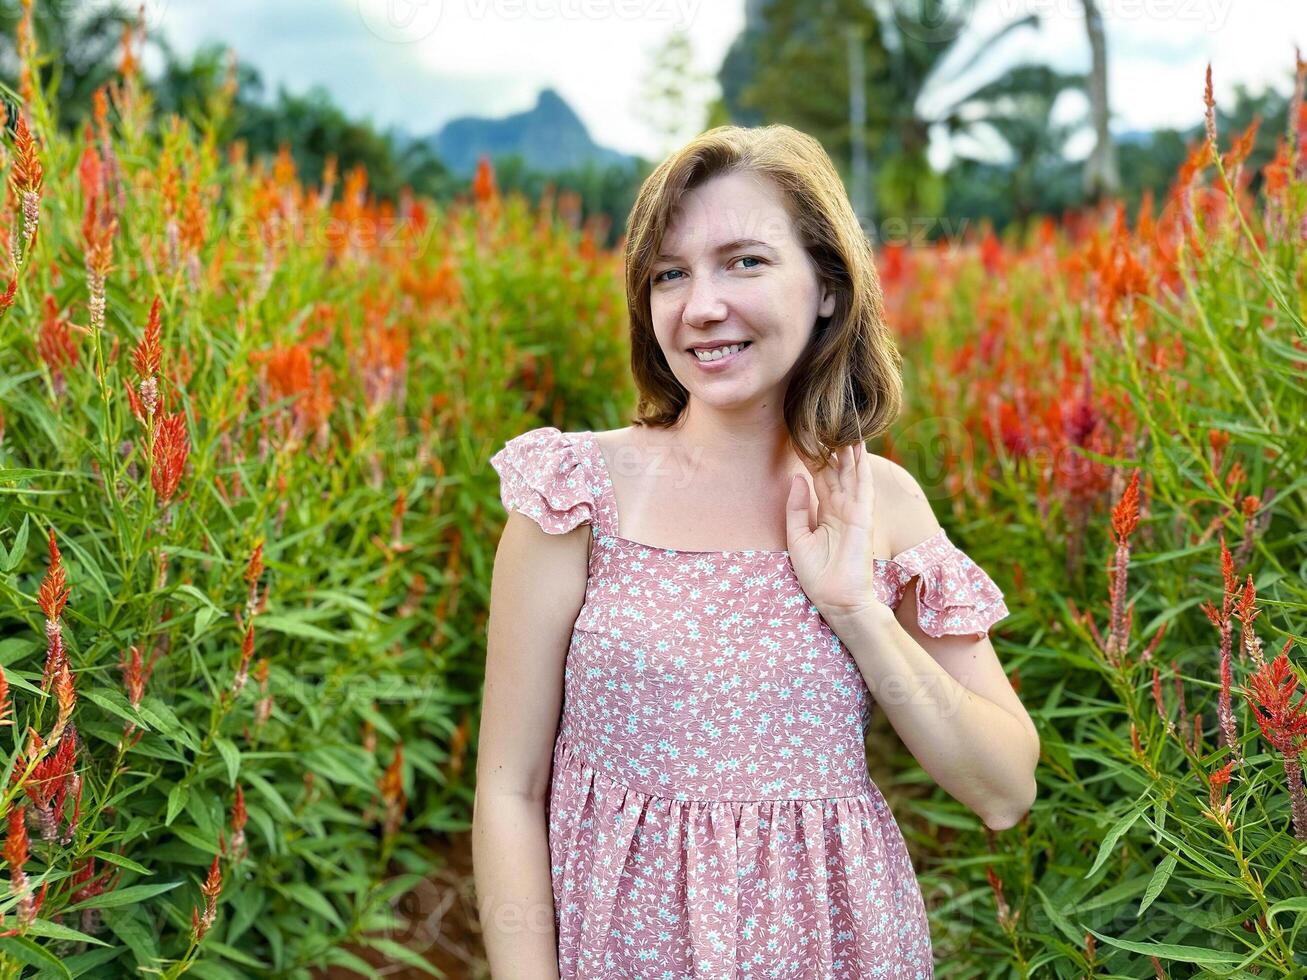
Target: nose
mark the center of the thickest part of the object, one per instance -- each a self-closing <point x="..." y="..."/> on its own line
<point x="704" y="305"/>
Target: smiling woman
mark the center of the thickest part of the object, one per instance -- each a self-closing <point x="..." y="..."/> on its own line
<point x="672" y="754"/>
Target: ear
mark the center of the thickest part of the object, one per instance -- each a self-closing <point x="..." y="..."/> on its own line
<point x="827" y="306"/>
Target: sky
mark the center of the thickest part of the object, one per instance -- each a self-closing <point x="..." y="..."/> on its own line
<point x="418" y="63"/>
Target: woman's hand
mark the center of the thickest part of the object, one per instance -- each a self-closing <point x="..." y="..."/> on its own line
<point x="834" y="563"/>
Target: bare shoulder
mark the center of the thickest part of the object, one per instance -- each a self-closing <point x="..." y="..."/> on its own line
<point x="904" y="513"/>
<point x="613" y="441"/>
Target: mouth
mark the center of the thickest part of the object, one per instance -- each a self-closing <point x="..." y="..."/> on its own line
<point x="719" y="353"/>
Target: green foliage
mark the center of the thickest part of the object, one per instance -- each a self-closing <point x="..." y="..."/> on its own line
<point x="1047" y="370"/>
<point x="302" y="618"/>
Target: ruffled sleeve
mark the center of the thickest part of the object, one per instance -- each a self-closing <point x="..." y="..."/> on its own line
<point x="954" y="595"/>
<point x="541" y="475"/>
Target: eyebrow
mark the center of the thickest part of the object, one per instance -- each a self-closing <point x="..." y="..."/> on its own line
<point x="724" y="247"/>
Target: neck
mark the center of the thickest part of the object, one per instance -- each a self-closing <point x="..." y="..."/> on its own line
<point x="753" y="442"/>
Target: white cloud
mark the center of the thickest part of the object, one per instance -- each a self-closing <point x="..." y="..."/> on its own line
<point x="419" y="63"/>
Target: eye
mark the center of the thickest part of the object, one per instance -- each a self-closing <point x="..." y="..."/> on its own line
<point x="743" y="258"/>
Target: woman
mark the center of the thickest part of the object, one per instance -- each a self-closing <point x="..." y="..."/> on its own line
<point x="686" y="635"/>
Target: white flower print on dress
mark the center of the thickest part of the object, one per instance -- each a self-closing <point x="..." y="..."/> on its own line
<point x="710" y="809"/>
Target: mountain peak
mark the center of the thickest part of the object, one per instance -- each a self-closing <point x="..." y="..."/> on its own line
<point x="549" y="136"/>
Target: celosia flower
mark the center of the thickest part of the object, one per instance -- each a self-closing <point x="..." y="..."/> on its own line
<point x="171" y="447"/>
<point x="1222" y="621"/>
<point x="26" y="177"/>
<point x="211" y="889"/>
<point x="16" y="853"/>
<point x="52" y="596"/>
<point x="1270" y="696"/>
<point x="242" y="669"/>
<point x="391" y="785"/>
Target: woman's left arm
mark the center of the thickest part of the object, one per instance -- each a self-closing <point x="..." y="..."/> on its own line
<point x="948" y="696"/>
<point x="952" y="705"/>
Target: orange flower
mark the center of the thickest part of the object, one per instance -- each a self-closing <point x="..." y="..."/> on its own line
<point x="53" y="594"/>
<point x="145" y="358"/>
<point x="171" y="447"/>
<point x="211" y="889"/>
<point x="391" y="785"/>
<point x="483" y="185"/>
<point x="1270" y="696"/>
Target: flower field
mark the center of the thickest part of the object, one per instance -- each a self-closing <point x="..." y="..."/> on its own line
<point x="247" y="526"/>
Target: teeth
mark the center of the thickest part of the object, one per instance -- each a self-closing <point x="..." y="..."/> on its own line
<point x="717" y="353"/>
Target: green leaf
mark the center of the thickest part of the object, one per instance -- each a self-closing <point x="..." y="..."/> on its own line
<point x="1158" y="882"/>
<point x="211" y="970"/>
<point x="176" y="800"/>
<point x="52" y="930"/>
<point x="1169" y="951"/>
<point x="1298" y="904"/>
<point x="233" y="954"/>
<point x="122" y="862"/>
<point x="135" y="935"/>
<point x="115" y="703"/>
<point x="203" y="618"/>
<point x="86" y="569"/>
<point x="82" y="963"/>
<point x="1058" y="919"/>
<point x="341" y="764"/>
<point x="19" y="549"/>
<point x="248" y="903"/>
<point x="270" y="794"/>
<point x="291" y="626"/>
<point x="197" y="595"/>
<point x="24" y="950"/>
<point x="340" y="957"/>
<point x="230" y="755"/>
<point x="160" y="717"/>
<point x="397" y="952"/>
<point x="122" y="896"/>
<point x="15" y="648"/>
<point x="1112" y="836"/>
<point x="311" y="899"/>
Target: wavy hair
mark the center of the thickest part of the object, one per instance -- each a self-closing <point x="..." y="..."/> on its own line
<point x="847" y="386"/>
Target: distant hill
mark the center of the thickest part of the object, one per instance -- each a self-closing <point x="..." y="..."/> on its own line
<point x="549" y="136"/>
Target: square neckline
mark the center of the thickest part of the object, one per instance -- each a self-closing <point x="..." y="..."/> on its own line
<point x="601" y="465"/>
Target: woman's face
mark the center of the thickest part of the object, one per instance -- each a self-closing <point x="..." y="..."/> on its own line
<point x="731" y="269"/>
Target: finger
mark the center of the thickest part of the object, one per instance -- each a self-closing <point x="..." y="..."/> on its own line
<point x="797" y="511"/>
<point x="830" y="476"/>
<point x="820" y="483"/>
<point x="862" y="466"/>
<point x="842" y="459"/>
<point x="849" y="470"/>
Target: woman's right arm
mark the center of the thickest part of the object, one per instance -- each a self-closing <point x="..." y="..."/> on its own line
<point x="537" y="589"/>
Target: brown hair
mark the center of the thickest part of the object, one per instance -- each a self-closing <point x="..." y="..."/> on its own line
<point x="847" y="385"/>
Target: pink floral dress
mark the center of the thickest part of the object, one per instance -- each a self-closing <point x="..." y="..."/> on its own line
<point x="710" y="809"/>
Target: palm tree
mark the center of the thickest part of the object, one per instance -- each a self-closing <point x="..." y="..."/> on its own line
<point x="921" y="38"/>
<point x="1017" y="110"/>
<point x="86" y="45"/>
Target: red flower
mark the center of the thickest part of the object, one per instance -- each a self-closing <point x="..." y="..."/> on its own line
<point x="53" y="594"/>
<point x="171" y="446"/>
<point x="145" y="358"/>
<point x="1270" y="695"/>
